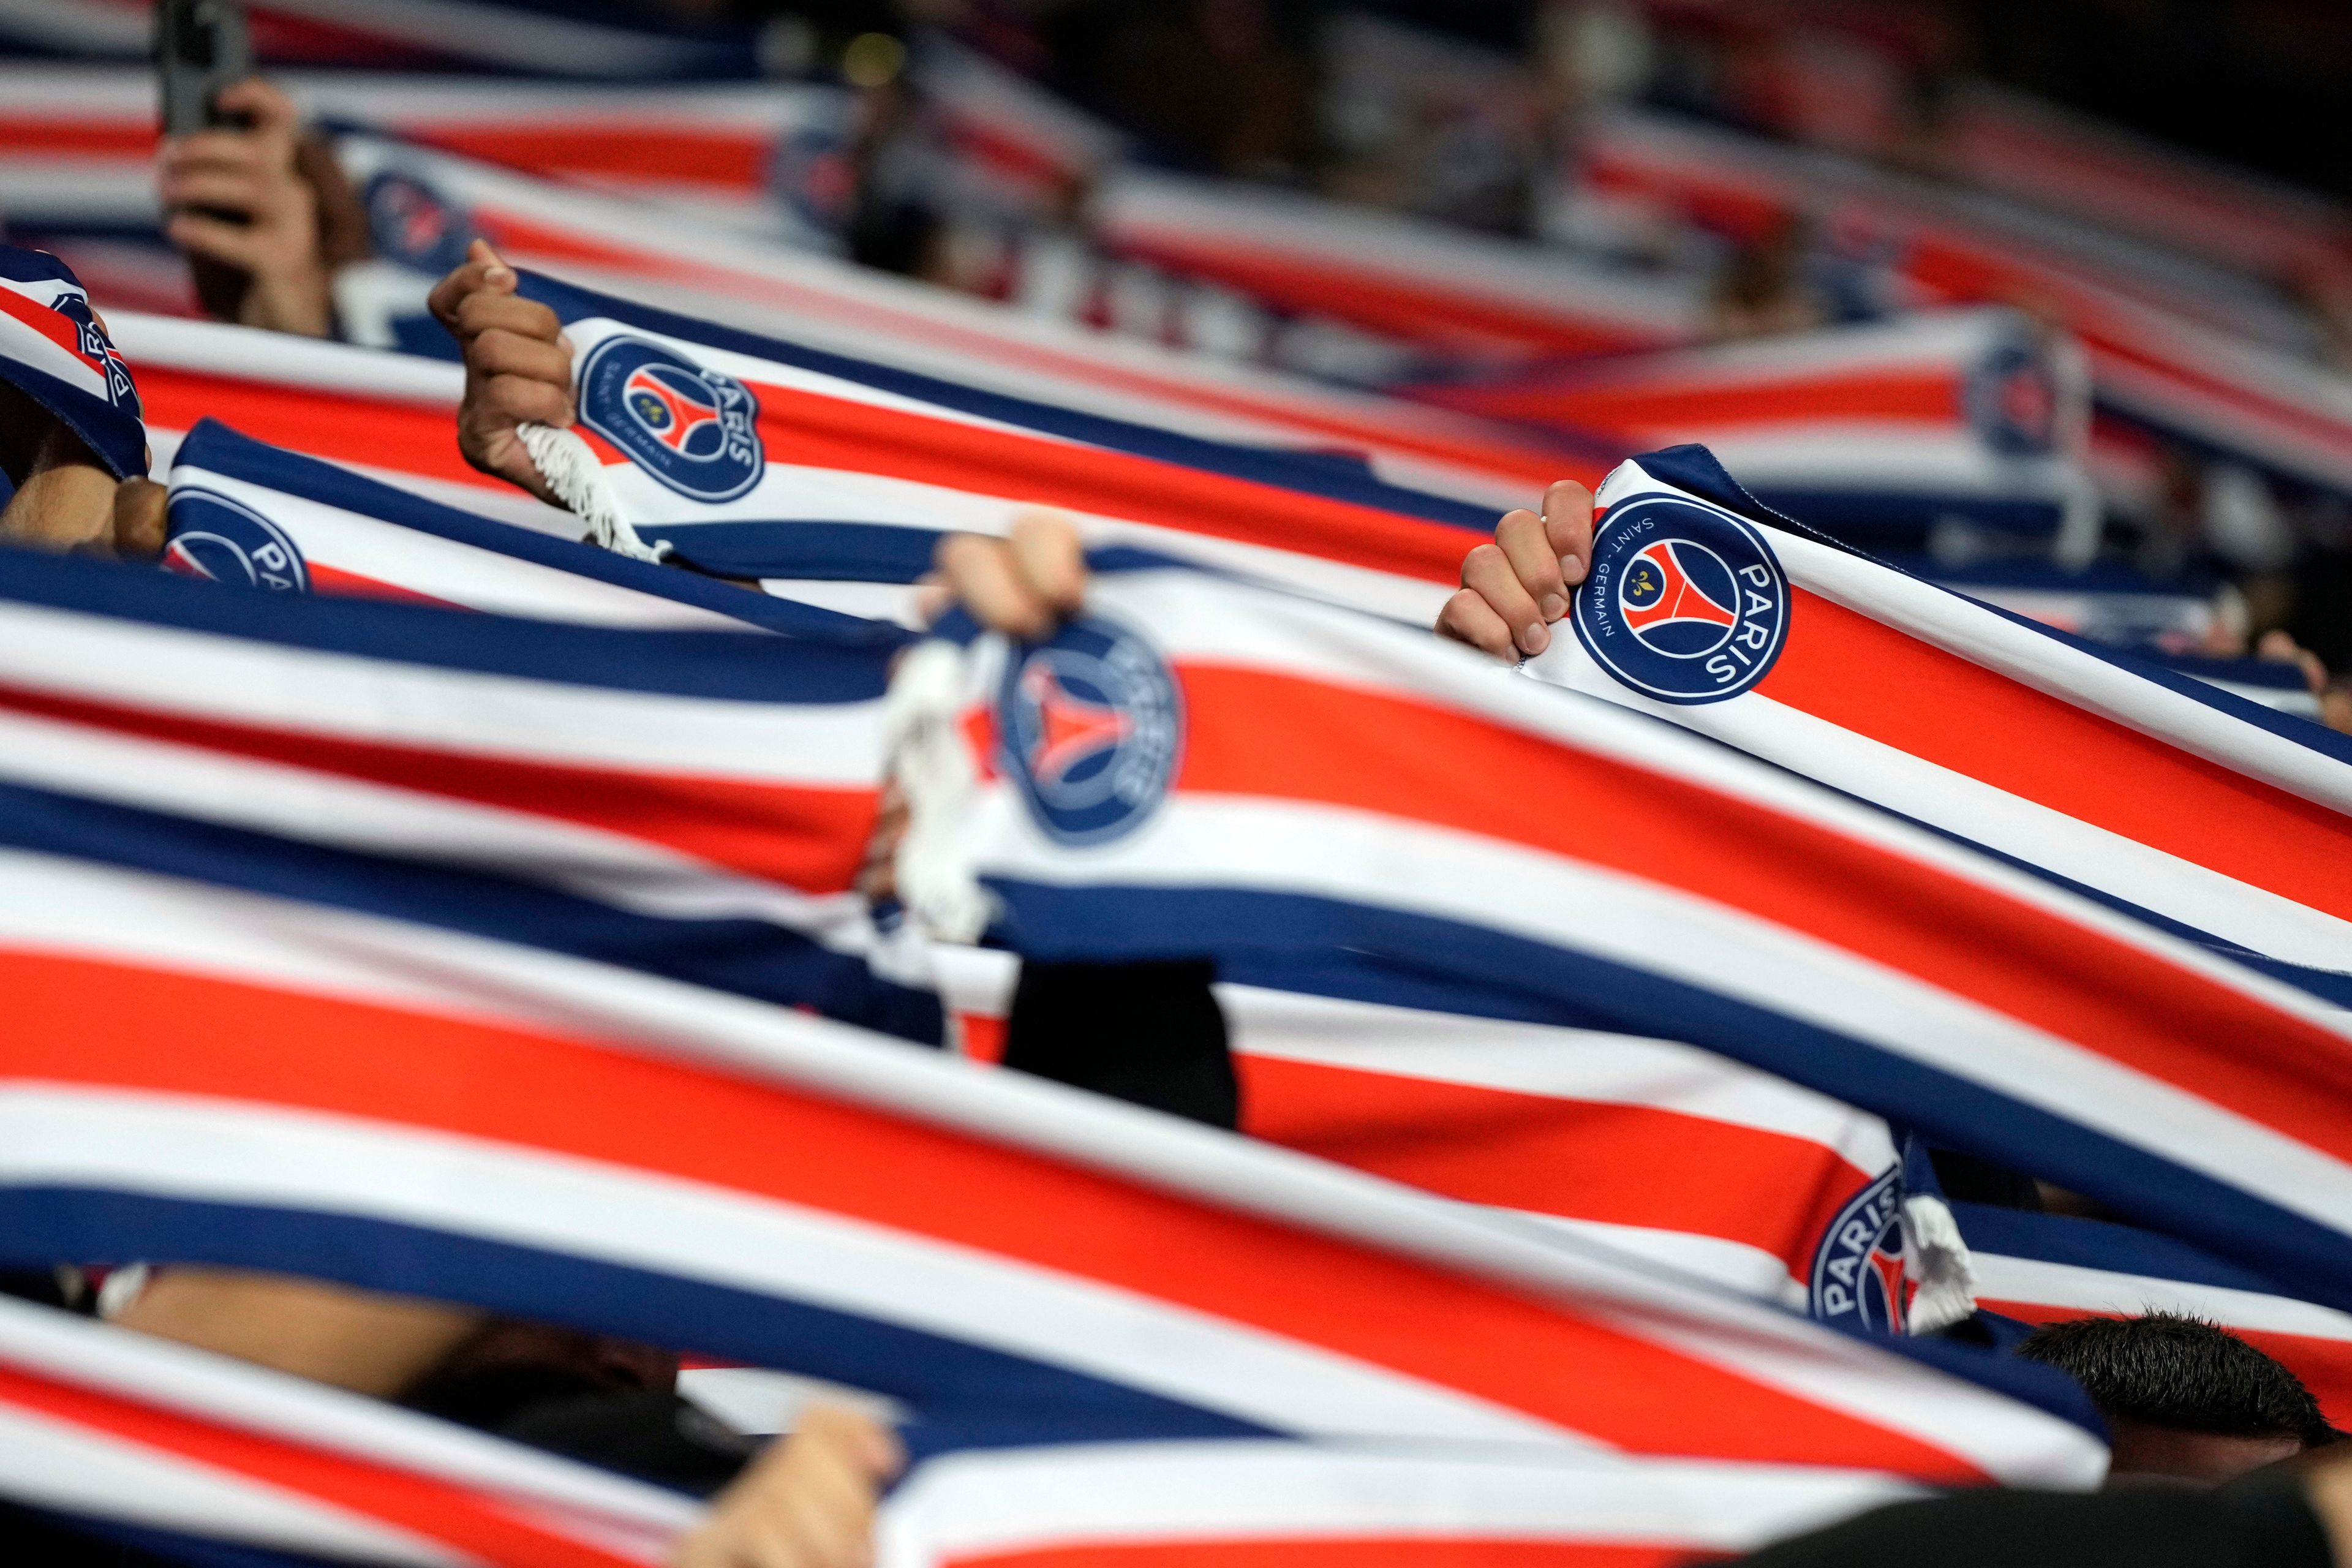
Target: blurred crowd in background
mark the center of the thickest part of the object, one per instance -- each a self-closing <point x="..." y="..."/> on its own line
<point x="2053" y="302"/>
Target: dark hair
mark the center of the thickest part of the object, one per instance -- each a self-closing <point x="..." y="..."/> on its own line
<point x="2170" y="1370"/>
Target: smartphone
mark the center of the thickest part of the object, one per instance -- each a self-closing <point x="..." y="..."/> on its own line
<point x="201" y="47"/>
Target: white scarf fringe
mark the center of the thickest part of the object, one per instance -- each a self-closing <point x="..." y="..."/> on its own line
<point x="936" y="875"/>
<point x="572" y="472"/>
<point x="1936" y="1259"/>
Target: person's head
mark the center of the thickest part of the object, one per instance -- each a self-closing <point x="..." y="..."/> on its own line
<point x="2184" y="1399"/>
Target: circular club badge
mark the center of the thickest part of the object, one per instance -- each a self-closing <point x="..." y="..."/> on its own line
<point x="2011" y="398"/>
<point x="1091" y="727"/>
<point x="694" y="430"/>
<point x="412" y="224"/>
<point x="1858" y="1280"/>
<point x="222" y="540"/>
<point x="1684" y="603"/>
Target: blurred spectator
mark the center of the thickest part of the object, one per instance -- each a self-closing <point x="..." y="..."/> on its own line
<point x="2183" y="1399"/>
<point x="263" y="213"/>
<point x="1419" y="122"/>
<point x="806" y="1502"/>
<point x="1217" y="85"/>
<point x="895" y="220"/>
<point x="2269" y="1523"/>
<point x="1764" y="290"/>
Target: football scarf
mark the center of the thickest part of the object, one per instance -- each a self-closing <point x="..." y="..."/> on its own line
<point x="1199" y="766"/>
<point x="2032" y="151"/>
<point x="2106" y="602"/>
<point x="150" y="1443"/>
<point x="1423" y="283"/>
<point x="715" y="148"/>
<point x="141" y="1441"/>
<point x="663" y="258"/>
<point x="522" y="37"/>
<point x="1662" y="1151"/>
<point x="254" y="516"/>
<point x="555" y="1137"/>
<point x="2272" y="683"/>
<point x="2150" y="790"/>
<point x="391" y="416"/>
<point x="1875" y="433"/>
<point x="1020" y="148"/>
<point x="2075" y="803"/>
<point x="1905" y="240"/>
<point x="733" y="452"/>
<point x="2044" y="1267"/>
<point x="1666" y="1151"/>
<point x="695" y="803"/>
<point x="54" y="352"/>
<point x="2213" y="359"/>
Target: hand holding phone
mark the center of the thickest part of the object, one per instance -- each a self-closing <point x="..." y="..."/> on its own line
<point x="234" y="199"/>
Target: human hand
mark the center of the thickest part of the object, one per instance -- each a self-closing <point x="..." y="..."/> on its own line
<point x="518" y="366"/>
<point x="235" y="198"/>
<point x="1515" y="588"/>
<point x="1024" y="584"/>
<point x="2335" y="698"/>
<point x="806" y="1502"/>
<point x="877" y="872"/>
<point x="2280" y="649"/>
<point x="66" y="500"/>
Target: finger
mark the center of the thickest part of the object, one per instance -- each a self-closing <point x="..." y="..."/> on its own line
<point x="272" y="113"/>
<point x="768" y="1536"/>
<point x="1052" y="563"/>
<point x="139" y="519"/>
<point x="830" y="1514"/>
<point x="1488" y="572"/>
<point x="238" y="191"/>
<point x="932" y="597"/>
<point x="1521" y="537"/>
<point x="986" y="582"/>
<point x="487" y="309"/>
<point x="234" y="244"/>
<point x="705" y="1546"/>
<point x="481" y="271"/>
<point x="852" y="1434"/>
<point x="878" y="1445"/>
<point x="518" y="399"/>
<point x="829" y="1481"/>
<point x="2314" y="674"/>
<point x="503" y="352"/>
<point x="1468" y="618"/>
<point x="211" y="149"/>
<point x="1567" y="525"/>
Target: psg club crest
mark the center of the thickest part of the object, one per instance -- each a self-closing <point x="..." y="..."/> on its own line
<point x="694" y="430"/>
<point x="222" y="540"/>
<point x="1858" y="1280"/>
<point x="414" y="225"/>
<point x="813" y="169"/>
<point x="1091" y="727"/>
<point x="2012" y="401"/>
<point x="100" y="351"/>
<point x="1684" y="603"/>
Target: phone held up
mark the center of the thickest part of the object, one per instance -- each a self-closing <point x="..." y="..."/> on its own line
<point x="201" y="47"/>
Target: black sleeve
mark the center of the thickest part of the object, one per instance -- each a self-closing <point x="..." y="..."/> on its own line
<point x="1150" y="1033"/>
<point x="2261" y="1526"/>
<point x="656" y="1435"/>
